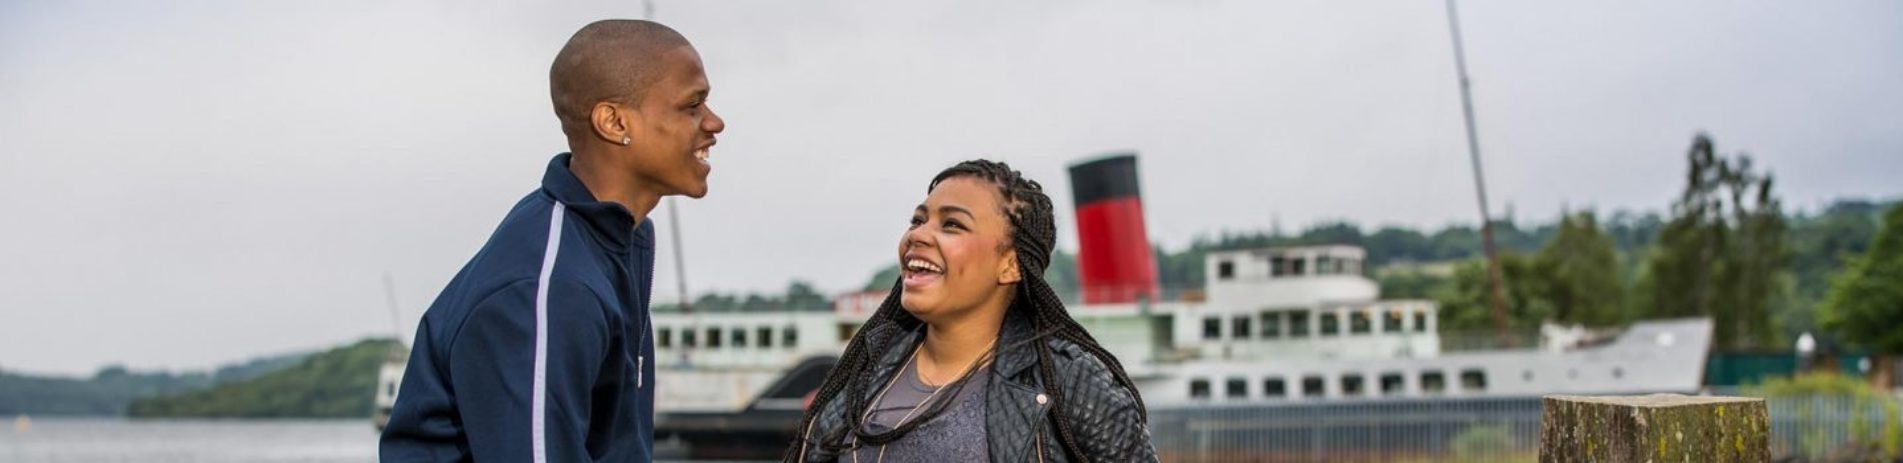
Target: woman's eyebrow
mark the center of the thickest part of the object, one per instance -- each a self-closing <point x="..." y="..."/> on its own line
<point x="949" y="209"/>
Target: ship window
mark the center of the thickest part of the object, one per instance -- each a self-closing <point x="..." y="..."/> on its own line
<point x="1331" y="323"/>
<point x="1351" y="385"/>
<point x="1225" y="270"/>
<point x="1312" y="386"/>
<point x="1236" y="388"/>
<point x="1295" y="266"/>
<point x="1618" y="372"/>
<point x="1298" y="324"/>
<point x="739" y="337"/>
<point x="1199" y="389"/>
<point x="1433" y="382"/>
<point x="1392" y="322"/>
<point x="687" y="337"/>
<point x="1240" y="327"/>
<point x="1271" y="325"/>
<point x="1324" y="265"/>
<point x="1391" y="384"/>
<point x="766" y="336"/>
<point x="1212" y="328"/>
<point x="1358" y="322"/>
<point x="1527" y="375"/>
<point x="1278" y="266"/>
<point x="790" y="336"/>
<point x="664" y="337"/>
<point x="1275" y="387"/>
<point x="1420" y="321"/>
<point x="1473" y="380"/>
<point x="713" y="338"/>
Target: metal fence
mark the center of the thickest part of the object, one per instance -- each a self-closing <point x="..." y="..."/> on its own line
<point x="1836" y="428"/>
<point x="1822" y="428"/>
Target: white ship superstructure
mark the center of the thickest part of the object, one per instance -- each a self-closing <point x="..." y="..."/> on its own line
<point x="1280" y="325"/>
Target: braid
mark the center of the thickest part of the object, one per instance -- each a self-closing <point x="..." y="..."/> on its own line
<point x="1034" y="236"/>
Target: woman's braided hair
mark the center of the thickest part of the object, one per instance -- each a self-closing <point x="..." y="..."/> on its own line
<point x="1034" y="235"/>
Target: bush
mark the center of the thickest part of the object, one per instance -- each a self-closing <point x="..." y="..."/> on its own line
<point x="1482" y="442"/>
<point x="1883" y="435"/>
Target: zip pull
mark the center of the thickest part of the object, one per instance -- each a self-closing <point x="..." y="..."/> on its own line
<point x="640" y="370"/>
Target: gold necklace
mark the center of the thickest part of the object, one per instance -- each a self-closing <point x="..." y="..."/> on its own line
<point x="913" y="360"/>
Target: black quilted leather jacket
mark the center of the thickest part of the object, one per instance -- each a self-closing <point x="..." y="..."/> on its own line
<point x="1104" y="417"/>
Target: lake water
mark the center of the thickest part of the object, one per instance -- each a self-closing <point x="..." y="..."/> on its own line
<point x="114" y="440"/>
<point x="95" y="440"/>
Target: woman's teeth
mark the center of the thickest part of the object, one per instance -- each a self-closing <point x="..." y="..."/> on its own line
<point x="920" y="265"/>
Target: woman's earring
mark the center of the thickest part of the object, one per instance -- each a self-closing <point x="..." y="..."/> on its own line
<point x="625" y="140"/>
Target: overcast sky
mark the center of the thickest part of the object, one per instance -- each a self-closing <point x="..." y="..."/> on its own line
<point x="192" y="183"/>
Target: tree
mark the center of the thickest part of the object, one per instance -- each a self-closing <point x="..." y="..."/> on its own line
<point x="1573" y="279"/>
<point x="1720" y="255"/>
<point x="1395" y="244"/>
<point x="1410" y="283"/>
<point x="883" y="279"/>
<point x="800" y="295"/>
<point x="1865" y="304"/>
<point x="1822" y="246"/>
<point x="1465" y="307"/>
<point x="1582" y="265"/>
<point x="1062" y="274"/>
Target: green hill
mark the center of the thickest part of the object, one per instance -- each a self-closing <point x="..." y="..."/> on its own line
<point x="106" y="393"/>
<point x="338" y="383"/>
<point x="112" y="388"/>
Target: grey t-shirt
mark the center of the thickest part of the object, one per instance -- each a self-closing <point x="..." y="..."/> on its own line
<point x="957" y="434"/>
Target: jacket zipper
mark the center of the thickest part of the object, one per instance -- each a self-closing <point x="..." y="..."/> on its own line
<point x="1040" y="447"/>
<point x="647" y="319"/>
<point x="807" y="437"/>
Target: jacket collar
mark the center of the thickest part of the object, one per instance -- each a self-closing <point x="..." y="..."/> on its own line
<point x="896" y="353"/>
<point x="1013" y="357"/>
<point x="610" y="221"/>
<point x="1014" y="353"/>
<point x="1011" y="403"/>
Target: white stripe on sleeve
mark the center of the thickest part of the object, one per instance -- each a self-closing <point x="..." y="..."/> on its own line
<point x="538" y="447"/>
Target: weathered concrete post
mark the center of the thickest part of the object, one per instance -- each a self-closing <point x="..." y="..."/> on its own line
<point x="1656" y="428"/>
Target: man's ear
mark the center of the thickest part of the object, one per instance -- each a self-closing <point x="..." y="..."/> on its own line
<point x="611" y="122"/>
<point x="1008" y="272"/>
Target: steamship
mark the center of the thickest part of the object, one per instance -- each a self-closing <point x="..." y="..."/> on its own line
<point x="1274" y="326"/>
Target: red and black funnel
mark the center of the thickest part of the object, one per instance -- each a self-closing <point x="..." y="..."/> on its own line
<point x="1114" y="260"/>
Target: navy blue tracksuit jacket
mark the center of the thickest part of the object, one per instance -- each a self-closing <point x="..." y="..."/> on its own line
<point x="538" y="350"/>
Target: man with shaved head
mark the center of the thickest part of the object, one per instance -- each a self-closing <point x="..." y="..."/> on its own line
<point x="540" y="348"/>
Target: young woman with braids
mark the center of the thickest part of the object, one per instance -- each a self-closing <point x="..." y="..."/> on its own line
<point x="972" y="357"/>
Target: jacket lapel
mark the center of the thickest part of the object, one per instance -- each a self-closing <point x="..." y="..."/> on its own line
<point x="1015" y="405"/>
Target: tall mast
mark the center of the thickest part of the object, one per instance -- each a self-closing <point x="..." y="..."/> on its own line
<point x="1497" y="299"/>
<point x="680" y="261"/>
<point x="673" y="215"/>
